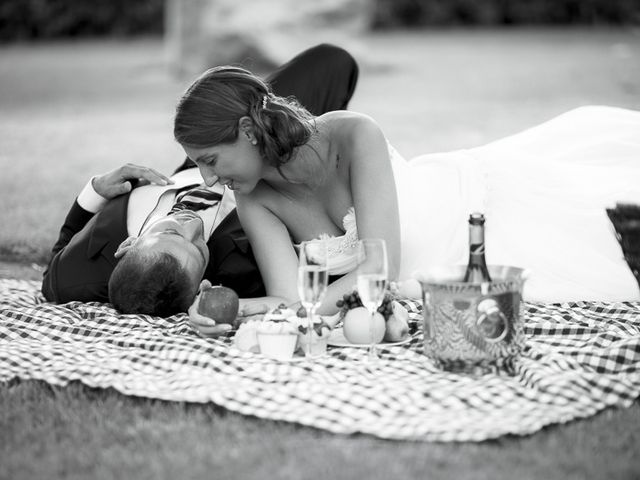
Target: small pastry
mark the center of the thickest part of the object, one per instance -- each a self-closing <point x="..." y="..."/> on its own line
<point x="277" y="336"/>
<point x="246" y="337"/>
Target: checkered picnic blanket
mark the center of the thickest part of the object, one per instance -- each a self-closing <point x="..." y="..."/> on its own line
<point x="579" y="358"/>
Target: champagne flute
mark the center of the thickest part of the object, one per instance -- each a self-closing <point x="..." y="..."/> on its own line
<point x="373" y="271"/>
<point x="313" y="277"/>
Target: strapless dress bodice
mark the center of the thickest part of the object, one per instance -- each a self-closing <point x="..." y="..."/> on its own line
<point x="342" y="250"/>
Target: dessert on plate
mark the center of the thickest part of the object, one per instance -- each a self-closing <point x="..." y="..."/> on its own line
<point x="281" y="333"/>
<point x="314" y="342"/>
<point x="277" y="335"/>
<point x="246" y="337"/>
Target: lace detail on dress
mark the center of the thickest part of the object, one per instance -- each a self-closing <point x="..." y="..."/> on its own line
<point x="343" y="253"/>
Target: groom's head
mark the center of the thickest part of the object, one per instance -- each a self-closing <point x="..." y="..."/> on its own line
<point x="151" y="283"/>
<point x="158" y="273"/>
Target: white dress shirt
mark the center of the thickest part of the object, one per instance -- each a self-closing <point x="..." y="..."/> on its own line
<point x="150" y="202"/>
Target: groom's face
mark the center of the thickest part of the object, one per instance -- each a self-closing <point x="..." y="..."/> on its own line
<point x="182" y="236"/>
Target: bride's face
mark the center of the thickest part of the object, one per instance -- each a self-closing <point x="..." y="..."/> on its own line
<point x="238" y="165"/>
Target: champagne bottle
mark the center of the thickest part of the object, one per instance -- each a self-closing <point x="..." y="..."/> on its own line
<point x="477" y="271"/>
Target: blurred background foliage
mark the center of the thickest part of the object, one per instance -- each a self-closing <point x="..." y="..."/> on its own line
<point x="418" y="13"/>
<point x="46" y="19"/>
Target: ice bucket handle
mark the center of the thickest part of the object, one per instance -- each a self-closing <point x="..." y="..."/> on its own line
<point x="491" y="322"/>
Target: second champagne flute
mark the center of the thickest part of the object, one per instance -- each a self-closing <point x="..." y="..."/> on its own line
<point x="372" y="281"/>
<point x="313" y="277"/>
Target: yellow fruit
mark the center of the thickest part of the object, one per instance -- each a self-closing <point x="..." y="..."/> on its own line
<point x="397" y="329"/>
<point x="356" y="326"/>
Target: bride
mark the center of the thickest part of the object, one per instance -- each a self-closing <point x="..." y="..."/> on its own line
<point x="296" y="177"/>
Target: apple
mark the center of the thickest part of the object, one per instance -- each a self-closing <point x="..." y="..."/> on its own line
<point x="356" y="326"/>
<point x="219" y="303"/>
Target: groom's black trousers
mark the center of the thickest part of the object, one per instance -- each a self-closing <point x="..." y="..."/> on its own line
<point x="322" y="78"/>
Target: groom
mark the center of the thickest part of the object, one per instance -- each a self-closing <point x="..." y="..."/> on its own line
<point x="110" y="228"/>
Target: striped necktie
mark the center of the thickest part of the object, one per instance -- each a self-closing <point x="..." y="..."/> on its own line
<point x="195" y="199"/>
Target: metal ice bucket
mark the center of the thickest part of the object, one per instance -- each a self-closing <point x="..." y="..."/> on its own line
<point x="469" y="327"/>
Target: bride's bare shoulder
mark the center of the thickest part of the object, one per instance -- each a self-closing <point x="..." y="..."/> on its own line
<point x="349" y="125"/>
<point x="346" y="118"/>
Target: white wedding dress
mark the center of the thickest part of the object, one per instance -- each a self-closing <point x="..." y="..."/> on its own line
<point x="543" y="191"/>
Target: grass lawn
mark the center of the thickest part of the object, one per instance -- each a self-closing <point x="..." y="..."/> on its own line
<point x="71" y="110"/>
<point x="77" y="432"/>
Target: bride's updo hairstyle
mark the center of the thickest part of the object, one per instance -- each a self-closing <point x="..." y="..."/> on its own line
<point x="209" y="111"/>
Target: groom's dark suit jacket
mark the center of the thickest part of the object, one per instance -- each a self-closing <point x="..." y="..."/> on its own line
<point x="83" y="256"/>
<point x="322" y="78"/>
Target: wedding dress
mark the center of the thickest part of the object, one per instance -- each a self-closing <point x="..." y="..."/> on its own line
<point x="543" y="191"/>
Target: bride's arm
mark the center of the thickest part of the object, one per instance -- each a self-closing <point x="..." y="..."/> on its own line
<point x="278" y="262"/>
<point x="273" y="251"/>
<point x="373" y="188"/>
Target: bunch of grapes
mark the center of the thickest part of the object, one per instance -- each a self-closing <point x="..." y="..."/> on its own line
<point x="352" y="300"/>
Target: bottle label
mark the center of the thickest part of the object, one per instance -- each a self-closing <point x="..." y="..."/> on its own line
<point x="476" y="248"/>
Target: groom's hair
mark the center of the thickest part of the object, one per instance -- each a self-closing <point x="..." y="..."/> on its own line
<point x="151" y="284"/>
